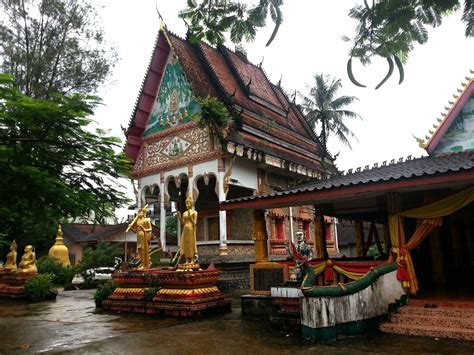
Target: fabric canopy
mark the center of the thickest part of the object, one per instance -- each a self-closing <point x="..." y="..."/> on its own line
<point x="443" y="207"/>
<point x="429" y="218"/>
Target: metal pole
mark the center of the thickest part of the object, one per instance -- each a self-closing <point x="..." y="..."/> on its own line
<point x="291" y="226"/>
<point x="126" y="251"/>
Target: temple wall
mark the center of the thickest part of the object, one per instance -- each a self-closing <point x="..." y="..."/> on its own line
<point x="202" y="168"/>
<point x="241" y="226"/>
<point x="76" y="250"/>
<point x="245" y="172"/>
<point x="237" y="252"/>
<point x="149" y="180"/>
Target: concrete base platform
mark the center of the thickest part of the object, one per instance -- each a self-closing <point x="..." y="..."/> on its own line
<point x="257" y="305"/>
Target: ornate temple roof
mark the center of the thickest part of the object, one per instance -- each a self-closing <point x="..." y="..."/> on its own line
<point x="273" y="130"/>
<point x="451" y="111"/>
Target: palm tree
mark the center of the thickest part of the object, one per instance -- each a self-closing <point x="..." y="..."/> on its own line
<point x="325" y="113"/>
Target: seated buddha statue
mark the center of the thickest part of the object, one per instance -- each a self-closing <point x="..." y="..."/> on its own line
<point x="10" y="264"/>
<point x="28" y="261"/>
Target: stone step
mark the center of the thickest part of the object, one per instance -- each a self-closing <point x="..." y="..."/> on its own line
<point x="458" y="303"/>
<point x="438" y="311"/>
<point x="437" y="321"/>
<point x="428" y="331"/>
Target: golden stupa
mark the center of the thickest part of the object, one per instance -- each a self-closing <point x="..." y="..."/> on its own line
<point x="59" y="250"/>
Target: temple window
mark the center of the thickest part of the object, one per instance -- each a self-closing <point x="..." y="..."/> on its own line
<point x="306" y="230"/>
<point x="280" y="228"/>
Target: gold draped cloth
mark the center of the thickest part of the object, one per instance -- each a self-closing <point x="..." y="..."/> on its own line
<point x="429" y="217"/>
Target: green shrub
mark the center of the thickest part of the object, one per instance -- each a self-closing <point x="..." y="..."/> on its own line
<point x="50" y="265"/>
<point x="40" y="288"/>
<point x="104" y="290"/>
<point x="102" y="255"/>
<point x="149" y="293"/>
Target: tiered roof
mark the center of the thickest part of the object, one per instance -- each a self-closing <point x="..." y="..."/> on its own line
<point x="273" y="129"/>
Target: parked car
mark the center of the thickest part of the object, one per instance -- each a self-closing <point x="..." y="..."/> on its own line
<point x="97" y="274"/>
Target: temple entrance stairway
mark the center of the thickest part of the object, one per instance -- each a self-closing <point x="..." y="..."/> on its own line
<point x="436" y="319"/>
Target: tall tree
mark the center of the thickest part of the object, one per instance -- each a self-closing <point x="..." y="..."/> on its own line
<point x="54" y="167"/>
<point x="53" y="46"/>
<point x="390" y="29"/>
<point x="210" y="19"/>
<point x="325" y="112"/>
<point x="386" y="28"/>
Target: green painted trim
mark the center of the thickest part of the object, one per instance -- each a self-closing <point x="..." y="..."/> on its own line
<point x="346" y="289"/>
<point x="357" y="327"/>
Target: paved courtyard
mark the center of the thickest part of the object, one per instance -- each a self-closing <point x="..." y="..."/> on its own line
<point x="71" y="324"/>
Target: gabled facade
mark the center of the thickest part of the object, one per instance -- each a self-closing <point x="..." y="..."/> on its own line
<point x="455" y="130"/>
<point x="270" y="149"/>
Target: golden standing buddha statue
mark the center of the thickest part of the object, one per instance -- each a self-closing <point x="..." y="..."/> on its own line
<point x="188" y="246"/>
<point x="142" y="226"/>
<point x="28" y="261"/>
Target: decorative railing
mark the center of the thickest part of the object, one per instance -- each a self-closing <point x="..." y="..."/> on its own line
<point x="333" y="271"/>
<point x="342" y="289"/>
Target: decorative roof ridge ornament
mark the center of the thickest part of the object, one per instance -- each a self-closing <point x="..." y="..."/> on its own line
<point x="447" y="111"/>
<point x="377" y="165"/>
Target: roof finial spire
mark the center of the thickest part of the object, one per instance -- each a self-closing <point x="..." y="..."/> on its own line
<point x="162" y="21"/>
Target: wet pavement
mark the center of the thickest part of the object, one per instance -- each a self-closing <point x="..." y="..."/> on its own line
<point x="72" y="325"/>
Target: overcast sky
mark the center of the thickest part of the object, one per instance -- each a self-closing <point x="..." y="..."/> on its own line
<point x="309" y="42"/>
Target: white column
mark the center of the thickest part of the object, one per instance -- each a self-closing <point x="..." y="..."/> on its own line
<point x="190" y="186"/>
<point x="291" y="226"/>
<point x="222" y="214"/>
<point x="335" y="235"/>
<point x="162" y="215"/>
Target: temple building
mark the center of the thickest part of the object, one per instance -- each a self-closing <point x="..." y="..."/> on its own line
<point x="419" y="212"/>
<point x="267" y="146"/>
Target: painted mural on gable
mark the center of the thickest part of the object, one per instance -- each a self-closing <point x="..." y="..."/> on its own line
<point x="460" y="135"/>
<point x="175" y="103"/>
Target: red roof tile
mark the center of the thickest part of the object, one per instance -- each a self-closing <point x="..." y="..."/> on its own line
<point x="252" y="78"/>
<point x="273" y="123"/>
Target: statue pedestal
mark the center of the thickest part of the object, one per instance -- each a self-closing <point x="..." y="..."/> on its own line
<point x="181" y="293"/>
<point x="12" y="283"/>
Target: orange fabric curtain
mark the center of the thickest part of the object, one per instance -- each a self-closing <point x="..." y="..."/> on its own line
<point x="397" y="233"/>
<point x="425" y="227"/>
<point x="429" y="218"/>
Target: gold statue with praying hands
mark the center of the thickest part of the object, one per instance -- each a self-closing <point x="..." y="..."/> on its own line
<point x="188" y="246"/>
<point x="10" y="263"/>
<point x="142" y="226"/>
<point x="28" y="261"/>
